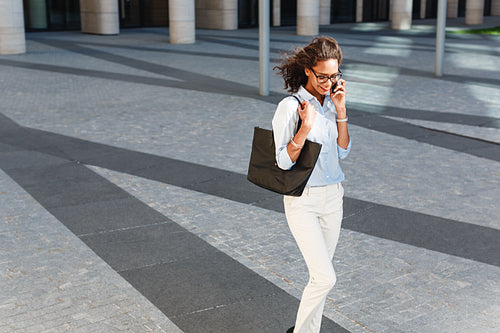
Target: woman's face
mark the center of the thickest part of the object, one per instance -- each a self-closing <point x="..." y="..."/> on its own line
<point x="326" y="67"/>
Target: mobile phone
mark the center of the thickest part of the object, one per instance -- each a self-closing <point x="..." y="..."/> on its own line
<point x="334" y="86"/>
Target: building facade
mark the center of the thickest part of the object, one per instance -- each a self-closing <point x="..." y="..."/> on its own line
<point x="184" y="16"/>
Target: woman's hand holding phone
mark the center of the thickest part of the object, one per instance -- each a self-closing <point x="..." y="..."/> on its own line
<point x="338" y="96"/>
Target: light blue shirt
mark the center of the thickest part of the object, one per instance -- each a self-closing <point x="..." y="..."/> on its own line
<point x="327" y="170"/>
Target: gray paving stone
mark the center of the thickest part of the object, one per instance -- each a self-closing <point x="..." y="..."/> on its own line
<point x="183" y="102"/>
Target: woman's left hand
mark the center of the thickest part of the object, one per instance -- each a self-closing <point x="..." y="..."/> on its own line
<point x="338" y="97"/>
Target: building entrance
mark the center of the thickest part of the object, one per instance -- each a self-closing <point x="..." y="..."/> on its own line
<point x="51" y="14"/>
<point x="343" y="11"/>
<point x="130" y="13"/>
<point x="377" y="10"/>
<point x="288" y="12"/>
<point x="143" y="13"/>
<point x="65" y="14"/>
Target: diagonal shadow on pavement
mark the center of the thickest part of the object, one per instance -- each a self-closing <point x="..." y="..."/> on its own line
<point x="194" y="284"/>
<point x="430" y="232"/>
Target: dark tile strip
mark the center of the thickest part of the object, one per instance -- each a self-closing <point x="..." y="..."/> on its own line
<point x="205" y="83"/>
<point x="489" y="142"/>
<point x="364" y="109"/>
<point x="471" y="146"/>
<point x="456" y="238"/>
<point x="437" y="234"/>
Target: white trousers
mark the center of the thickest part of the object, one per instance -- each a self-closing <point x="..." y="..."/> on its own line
<point x="314" y="220"/>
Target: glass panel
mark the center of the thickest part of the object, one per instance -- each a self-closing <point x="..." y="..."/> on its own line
<point x="248" y="13"/>
<point x="343" y="11"/>
<point x="130" y="13"/>
<point x="57" y="13"/>
<point x="487" y="8"/>
<point x="416" y="10"/>
<point x="52" y="14"/>
<point x="35" y="14"/>
<point x="376" y="10"/>
<point x="431" y="9"/>
<point x="72" y="14"/>
<point x="288" y="12"/>
<point x="461" y="8"/>
<point x="383" y="10"/>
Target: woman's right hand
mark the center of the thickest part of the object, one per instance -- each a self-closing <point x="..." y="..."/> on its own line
<point x="307" y="114"/>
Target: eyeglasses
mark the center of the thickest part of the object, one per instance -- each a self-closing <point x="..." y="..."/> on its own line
<point x="324" y="78"/>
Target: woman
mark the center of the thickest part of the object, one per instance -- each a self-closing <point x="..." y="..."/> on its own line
<point x="312" y="74"/>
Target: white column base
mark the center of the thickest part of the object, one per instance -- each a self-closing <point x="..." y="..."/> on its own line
<point x="401" y="14"/>
<point x="359" y="11"/>
<point x="276" y="13"/>
<point x="99" y="17"/>
<point x="474" y="12"/>
<point x="182" y="32"/>
<point x="12" y="39"/>
<point x="495" y="7"/>
<point x="217" y="14"/>
<point x="308" y="17"/>
<point x="452" y="9"/>
<point x="325" y="12"/>
<point x="181" y="21"/>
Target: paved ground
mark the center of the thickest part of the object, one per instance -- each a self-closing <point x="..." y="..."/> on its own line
<point x="124" y="204"/>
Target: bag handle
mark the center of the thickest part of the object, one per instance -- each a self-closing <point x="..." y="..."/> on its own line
<point x="299" y="122"/>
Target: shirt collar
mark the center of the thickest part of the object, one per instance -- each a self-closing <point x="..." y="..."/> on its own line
<point x="305" y="95"/>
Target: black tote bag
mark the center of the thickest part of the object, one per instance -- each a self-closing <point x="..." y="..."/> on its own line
<point x="263" y="169"/>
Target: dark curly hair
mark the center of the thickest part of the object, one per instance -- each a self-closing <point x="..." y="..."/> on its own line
<point x="292" y="67"/>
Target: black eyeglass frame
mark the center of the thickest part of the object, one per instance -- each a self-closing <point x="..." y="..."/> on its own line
<point x="324" y="78"/>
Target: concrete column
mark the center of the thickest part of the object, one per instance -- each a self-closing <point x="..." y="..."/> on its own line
<point x="181" y="21"/>
<point x="37" y="14"/>
<point x="401" y="12"/>
<point x="12" y="39"/>
<point x="359" y="11"/>
<point x="217" y="14"/>
<point x="474" y="12"/>
<point x="495" y="7"/>
<point x="307" y="17"/>
<point x="100" y="17"/>
<point x="423" y="7"/>
<point x="325" y="12"/>
<point x="276" y="13"/>
<point x="452" y="9"/>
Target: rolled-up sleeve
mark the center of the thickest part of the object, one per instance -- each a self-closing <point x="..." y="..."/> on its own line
<point x="344" y="152"/>
<point x="284" y="122"/>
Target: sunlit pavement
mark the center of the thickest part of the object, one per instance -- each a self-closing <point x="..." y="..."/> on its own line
<point x="125" y="205"/>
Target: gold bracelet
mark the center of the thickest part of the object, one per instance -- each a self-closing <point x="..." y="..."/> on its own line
<point x="296" y="145"/>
